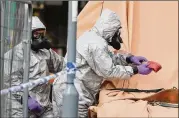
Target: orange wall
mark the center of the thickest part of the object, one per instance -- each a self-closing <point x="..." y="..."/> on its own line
<point x="156" y="37"/>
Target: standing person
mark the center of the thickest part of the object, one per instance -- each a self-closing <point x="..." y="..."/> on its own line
<point x="43" y="61"/>
<point x="95" y="63"/>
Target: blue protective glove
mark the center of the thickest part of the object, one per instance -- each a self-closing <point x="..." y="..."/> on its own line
<point x="33" y="105"/>
<point x="137" y="59"/>
<point x="143" y="69"/>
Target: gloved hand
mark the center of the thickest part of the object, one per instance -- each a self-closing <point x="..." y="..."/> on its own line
<point x="143" y="69"/>
<point x="33" y="105"/>
<point x="137" y="59"/>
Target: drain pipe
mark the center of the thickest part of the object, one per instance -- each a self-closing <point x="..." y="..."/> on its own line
<point x="70" y="97"/>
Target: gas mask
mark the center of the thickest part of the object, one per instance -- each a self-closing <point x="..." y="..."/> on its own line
<point x="115" y="41"/>
<point x="39" y="41"/>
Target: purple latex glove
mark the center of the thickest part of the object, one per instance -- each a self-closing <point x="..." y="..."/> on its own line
<point x="33" y="105"/>
<point x="138" y="59"/>
<point x="143" y="69"/>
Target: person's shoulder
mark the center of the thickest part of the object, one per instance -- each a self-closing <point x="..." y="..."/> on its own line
<point x="17" y="51"/>
<point x="44" y="51"/>
<point x="91" y="38"/>
<point x="55" y="53"/>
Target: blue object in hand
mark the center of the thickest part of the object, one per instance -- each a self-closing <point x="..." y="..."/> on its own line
<point x="33" y="105"/>
<point x="143" y="69"/>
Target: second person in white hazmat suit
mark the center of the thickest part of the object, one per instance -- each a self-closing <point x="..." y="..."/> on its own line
<point x="95" y="63"/>
<point x="43" y="61"/>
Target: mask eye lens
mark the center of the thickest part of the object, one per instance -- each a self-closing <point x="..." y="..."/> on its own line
<point x="37" y="35"/>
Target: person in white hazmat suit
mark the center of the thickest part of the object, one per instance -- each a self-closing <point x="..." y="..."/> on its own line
<point x="95" y="63"/>
<point x="43" y="61"/>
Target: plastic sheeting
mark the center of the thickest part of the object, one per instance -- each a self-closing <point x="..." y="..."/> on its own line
<point x="150" y="29"/>
<point x="129" y="108"/>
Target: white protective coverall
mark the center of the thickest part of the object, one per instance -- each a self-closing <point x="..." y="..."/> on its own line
<point x="41" y="63"/>
<point x="94" y="63"/>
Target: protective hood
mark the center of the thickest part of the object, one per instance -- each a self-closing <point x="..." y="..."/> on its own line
<point x="37" y="24"/>
<point x="39" y="42"/>
<point x="107" y="24"/>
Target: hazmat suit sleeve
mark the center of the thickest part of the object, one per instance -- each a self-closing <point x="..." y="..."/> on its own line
<point x="120" y="59"/>
<point x="16" y="79"/>
<point x="57" y="61"/>
<point x="104" y="66"/>
<point x="13" y="69"/>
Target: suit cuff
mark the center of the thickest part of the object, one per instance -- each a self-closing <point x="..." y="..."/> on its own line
<point x="135" y="69"/>
<point x="128" y="58"/>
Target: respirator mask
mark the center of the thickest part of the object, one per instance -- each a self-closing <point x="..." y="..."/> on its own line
<point x="116" y="40"/>
<point x="39" y="41"/>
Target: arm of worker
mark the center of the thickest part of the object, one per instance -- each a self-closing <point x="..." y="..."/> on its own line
<point x="119" y="56"/>
<point x="103" y="65"/>
<point x="128" y="59"/>
<point x="13" y="71"/>
<point x="16" y="80"/>
<point x="57" y="61"/>
<point x="120" y="59"/>
<point x="55" y="64"/>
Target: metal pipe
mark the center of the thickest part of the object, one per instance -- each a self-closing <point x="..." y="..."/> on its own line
<point x="2" y="59"/>
<point x="11" y="16"/>
<point x="26" y="65"/>
<point x="71" y="97"/>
